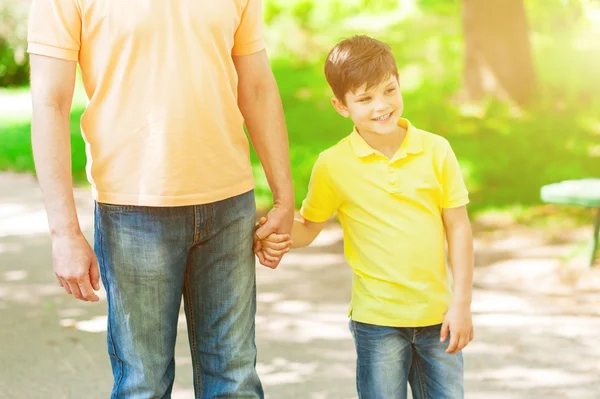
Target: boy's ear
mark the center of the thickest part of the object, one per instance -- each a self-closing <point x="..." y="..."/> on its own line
<point x="340" y="107"/>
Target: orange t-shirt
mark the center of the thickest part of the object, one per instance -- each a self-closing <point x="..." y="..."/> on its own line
<point x="162" y="126"/>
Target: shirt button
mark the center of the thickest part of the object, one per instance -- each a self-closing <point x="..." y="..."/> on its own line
<point x="391" y="170"/>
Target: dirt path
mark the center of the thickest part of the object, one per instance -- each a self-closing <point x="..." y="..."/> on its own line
<point x="536" y="337"/>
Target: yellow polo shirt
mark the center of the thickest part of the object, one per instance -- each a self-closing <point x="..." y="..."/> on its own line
<point x="391" y="214"/>
<point x="162" y="127"/>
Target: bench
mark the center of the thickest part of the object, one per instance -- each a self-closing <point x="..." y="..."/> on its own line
<point x="582" y="192"/>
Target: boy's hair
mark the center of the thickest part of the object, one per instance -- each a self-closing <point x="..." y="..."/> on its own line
<point x="356" y="61"/>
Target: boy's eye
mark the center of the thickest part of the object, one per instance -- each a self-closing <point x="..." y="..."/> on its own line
<point x="364" y="99"/>
<point x="390" y="90"/>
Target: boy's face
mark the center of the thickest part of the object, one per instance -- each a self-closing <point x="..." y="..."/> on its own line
<point x="376" y="110"/>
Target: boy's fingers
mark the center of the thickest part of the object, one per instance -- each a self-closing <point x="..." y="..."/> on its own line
<point x="464" y="340"/>
<point x="444" y="332"/>
<point x="453" y="343"/>
<point x="262" y="220"/>
<point x="278" y="237"/>
<point x="276" y="253"/>
<point x="471" y="334"/>
<point x="276" y="245"/>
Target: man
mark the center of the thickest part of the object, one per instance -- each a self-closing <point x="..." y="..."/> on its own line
<point x="170" y="85"/>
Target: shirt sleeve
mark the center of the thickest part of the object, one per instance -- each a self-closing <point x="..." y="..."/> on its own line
<point x="54" y="29"/>
<point x="322" y="199"/>
<point x="248" y="37"/>
<point x="455" y="192"/>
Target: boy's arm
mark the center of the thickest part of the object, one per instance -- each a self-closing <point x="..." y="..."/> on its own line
<point x="304" y="232"/>
<point x="460" y="253"/>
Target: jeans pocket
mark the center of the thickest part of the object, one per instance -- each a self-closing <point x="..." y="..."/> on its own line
<point x="113" y="208"/>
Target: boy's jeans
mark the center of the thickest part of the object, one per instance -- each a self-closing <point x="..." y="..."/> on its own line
<point x="149" y="257"/>
<point x="389" y="358"/>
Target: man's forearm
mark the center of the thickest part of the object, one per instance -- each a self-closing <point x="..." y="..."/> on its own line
<point x="266" y="126"/>
<point x="460" y="249"/>
<point x="50" y="137"/>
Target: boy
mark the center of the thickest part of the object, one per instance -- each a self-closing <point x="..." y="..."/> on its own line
<point x="397" y="190"/>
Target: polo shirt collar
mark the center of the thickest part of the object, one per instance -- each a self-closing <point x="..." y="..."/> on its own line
<point x="412" y="143"/>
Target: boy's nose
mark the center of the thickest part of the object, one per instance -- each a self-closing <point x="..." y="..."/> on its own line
<point x="380" y="105"/>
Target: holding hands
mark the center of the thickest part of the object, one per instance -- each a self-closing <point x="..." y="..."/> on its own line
<point x="270" y="247"/>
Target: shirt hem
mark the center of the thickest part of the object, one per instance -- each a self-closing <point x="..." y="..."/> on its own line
<point x="168" y="201"/>
<point x="52" y="51"/>
<point x="308" y="216"/>
<point x="456" y="204"/>
<point x="403" y="323"/>
<point x="250" y="48"/>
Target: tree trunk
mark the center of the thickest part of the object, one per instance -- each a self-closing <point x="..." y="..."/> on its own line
<point x="497" y="50"/>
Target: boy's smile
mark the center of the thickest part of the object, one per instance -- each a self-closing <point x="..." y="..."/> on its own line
<point x="375" y="110"/>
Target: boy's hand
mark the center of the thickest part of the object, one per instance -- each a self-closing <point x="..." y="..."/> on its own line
<point x="275" y="246"/>
<point x="459" y="322"/>
<point x="271" y="249"/>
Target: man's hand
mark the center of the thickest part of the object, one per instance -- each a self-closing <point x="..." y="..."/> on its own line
<point x="279" y="221"/>
<point x="76" y="266"/>
<point x="458" y="320"/>
<point x="273" y="247"/>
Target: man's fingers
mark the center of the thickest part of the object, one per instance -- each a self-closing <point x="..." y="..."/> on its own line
<point x="75" y="291"/>
<point x="268" y="261"/>
<point x="270" y="264"/>
<point x="264" y="230"/>
<point x="95" y="275"/>
<point x="262" y="220"/>
<point x="58" y="279"/>
<point x="272" y="258"/>
<point x="471" y="334"/>
<point x="65" y="285"/>
<point x="87" y="292"/>
<point x="261" y="256"/>
<point x="257" y="246"/>
<point x="264" y="261"/>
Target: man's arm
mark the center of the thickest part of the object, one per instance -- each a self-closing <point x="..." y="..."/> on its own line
<point x="52" y="85"/>
<point x="460" y="253"/>
<point x="260" y="104"/>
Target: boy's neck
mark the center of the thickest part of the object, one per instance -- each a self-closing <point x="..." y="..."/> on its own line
<point x="387" y="144"/>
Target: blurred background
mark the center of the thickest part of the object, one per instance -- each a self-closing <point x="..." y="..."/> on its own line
<point x="513" y="84"/>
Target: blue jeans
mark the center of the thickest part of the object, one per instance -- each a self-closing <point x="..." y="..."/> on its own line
<point x="149" y="257"/>
<point x="390" y="358"/>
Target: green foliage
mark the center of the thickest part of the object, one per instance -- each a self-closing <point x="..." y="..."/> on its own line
<point x="14" y="65"/>
<point x="16" y="154"/>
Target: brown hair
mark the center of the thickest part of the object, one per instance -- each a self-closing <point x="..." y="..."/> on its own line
<point x="356" y="61"/>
